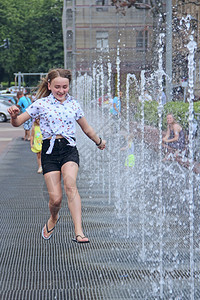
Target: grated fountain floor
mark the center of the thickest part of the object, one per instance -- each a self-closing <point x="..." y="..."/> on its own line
<point x="112" y="266"/>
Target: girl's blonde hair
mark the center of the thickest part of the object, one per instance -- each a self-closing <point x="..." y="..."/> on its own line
<point x="43" y="90"/>
<point x="35" y="120"/>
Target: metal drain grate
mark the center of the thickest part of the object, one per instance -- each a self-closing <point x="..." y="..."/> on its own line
<point x="110" y="267"/>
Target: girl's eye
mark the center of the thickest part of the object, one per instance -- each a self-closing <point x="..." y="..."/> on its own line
<point x="64" y="87"/>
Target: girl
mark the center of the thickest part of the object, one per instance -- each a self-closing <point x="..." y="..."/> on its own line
<point x="58" y="112"/>
<point x="130" y="159"/>
<point x="174" y="140"/>
<point x="36" y="142"/>
<point x="175" y="137"/>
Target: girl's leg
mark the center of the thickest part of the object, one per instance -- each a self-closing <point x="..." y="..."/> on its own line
<point x="69" y="171"/>
<point x="53" y="183"/>
<point x="28" y="134"/>
<point x="39" y="159"/>
<point x="25" y="135"/>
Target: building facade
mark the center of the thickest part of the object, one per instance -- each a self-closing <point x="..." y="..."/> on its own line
<point x="93" y="30"/>
<point x="186" y="22"/>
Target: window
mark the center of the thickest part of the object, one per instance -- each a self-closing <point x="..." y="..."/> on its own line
<point x="69" y="14"/>
<point x="102" y="40"/>
<point x="69" y="39"/>
<point x="102" y="5"/>
<point x="69" y="60"/>
<point x="143" y="1"/>
<point x="142" y="40"/>
<point x="69" y="17"/>
<point x="69" y="2"/>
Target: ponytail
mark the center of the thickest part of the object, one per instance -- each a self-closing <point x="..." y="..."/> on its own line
<point x="43" y="90"/>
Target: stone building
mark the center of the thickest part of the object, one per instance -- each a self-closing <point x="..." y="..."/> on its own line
<point x="94" y="31"/>
<point x="186" y="21"/>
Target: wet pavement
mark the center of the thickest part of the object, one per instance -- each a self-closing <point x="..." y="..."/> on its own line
<point x="145" y="253"/>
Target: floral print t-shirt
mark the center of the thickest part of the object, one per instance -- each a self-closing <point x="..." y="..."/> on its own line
<point x="56" y="118"/>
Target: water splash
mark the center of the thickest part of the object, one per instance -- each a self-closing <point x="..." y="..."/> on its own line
<point x="192" y="45"/>
<point x="148" y="216"/>
<point x="160" y="113"/>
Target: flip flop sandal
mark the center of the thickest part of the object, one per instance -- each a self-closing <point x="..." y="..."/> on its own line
<point x="79" y="242"/>
<point x="48" y="231"/>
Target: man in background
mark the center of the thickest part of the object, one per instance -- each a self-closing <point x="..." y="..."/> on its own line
<point x="116" y="111"/>
<point x="23" y="102"/>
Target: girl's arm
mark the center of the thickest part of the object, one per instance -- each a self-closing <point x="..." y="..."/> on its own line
<point x="115" y="107"/>
<point x="124" y="148"/>
<point x="89" y="131"/>
<point x="16" y="119"/>
<point x="32" y="135"/>
<point x="176" y="129"/>
<point x="165" y="139"/>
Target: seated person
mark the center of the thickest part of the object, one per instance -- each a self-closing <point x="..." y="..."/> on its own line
<point x="147" y="97"/>
<point x="175" y="137"/>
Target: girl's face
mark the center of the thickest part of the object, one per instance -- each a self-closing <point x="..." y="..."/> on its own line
<point x="170" y="119"/>
<point x="59" y="87"/>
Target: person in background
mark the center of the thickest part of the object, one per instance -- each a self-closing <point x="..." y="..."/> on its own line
<point x="58" y="113"/>
<point x="36" y="142"/>
<point x="130" y="158"/>
<point x="163" y="97"/>
<point x="147" y="97"/>
<point x="23" y="103"/>
<point x="116" y="112"/>
<point x="116" y="104"/>
<point x="174" y="140"/>
<point x="33" y="97"/>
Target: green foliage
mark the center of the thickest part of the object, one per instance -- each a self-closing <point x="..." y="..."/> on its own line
<point x="5" y="84"/>
<point x="150" y="113"/>
<point x="34" y="29"/>
<point x="180" y="111"/>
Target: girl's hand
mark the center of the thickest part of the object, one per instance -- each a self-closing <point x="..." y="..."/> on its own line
<point x="165" y="139"/>
<point x="102" y="145"/>
<point x="13" y="111"/>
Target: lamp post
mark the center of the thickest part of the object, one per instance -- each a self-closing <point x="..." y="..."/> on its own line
<point x="169" y="50"/>
<point x="64" y="28"/>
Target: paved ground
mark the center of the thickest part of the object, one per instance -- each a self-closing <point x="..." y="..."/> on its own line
<point x="143" y="246"/>
<point x="8" y="133"/>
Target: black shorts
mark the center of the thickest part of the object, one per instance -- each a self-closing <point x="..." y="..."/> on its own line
<point x="61" y="154"/>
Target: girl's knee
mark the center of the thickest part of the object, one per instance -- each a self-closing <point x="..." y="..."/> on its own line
<point x="55" y="201"/>
<point x="71" y="191"/>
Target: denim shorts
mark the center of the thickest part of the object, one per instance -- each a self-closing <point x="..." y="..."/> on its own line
<point x="61" y="154"/>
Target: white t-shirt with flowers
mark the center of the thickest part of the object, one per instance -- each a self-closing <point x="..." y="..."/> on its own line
<point x="56" y="118"/>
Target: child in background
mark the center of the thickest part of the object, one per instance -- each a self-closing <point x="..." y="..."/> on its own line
<point x="130" y="159"/>
<point x="36" y="142"/>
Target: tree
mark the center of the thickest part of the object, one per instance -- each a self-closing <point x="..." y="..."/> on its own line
<point x="34" y="29"/>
